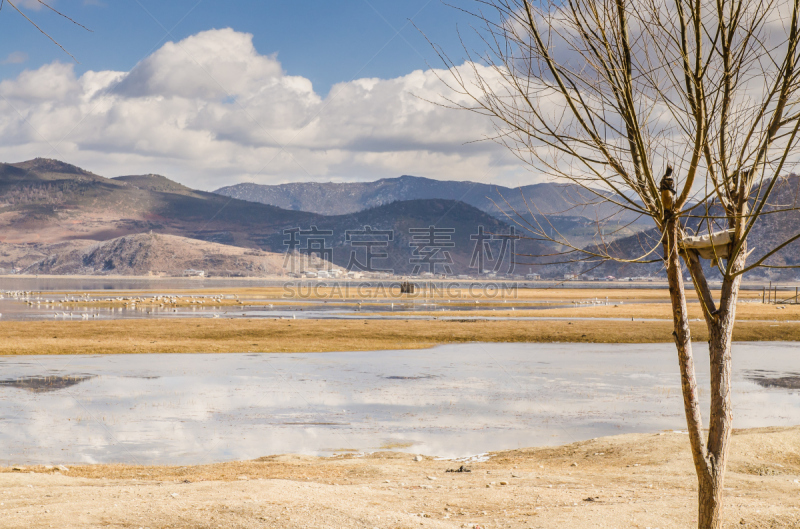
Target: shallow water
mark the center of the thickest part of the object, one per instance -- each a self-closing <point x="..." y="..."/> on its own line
<point x="16" y="306"/>
<point x="451" y="401"/>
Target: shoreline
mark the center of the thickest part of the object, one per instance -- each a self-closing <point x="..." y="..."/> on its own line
<point x="633" y="480"/>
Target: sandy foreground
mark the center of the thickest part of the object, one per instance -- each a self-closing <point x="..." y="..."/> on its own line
<point x="637" y="480"/>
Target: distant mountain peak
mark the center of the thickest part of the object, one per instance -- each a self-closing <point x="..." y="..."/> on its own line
<point x="155" y="182"/>
<point x="50" y="165"/>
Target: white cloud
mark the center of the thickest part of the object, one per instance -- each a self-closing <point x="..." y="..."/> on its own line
<point x="15" y="57"/>
<point x="32" y="4"/>
<point x="211" y="111"/>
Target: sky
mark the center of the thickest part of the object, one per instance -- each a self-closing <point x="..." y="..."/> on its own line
<point x="212" y="94"/>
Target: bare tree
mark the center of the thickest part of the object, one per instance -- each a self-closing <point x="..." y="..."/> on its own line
<point x="613" y="94"/>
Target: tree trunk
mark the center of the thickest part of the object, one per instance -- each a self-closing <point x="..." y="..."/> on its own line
<point x="683" y="342"/>
<point x="720" y="337"/>
<point x="710" y="458"/>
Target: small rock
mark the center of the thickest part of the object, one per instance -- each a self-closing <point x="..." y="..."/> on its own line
<point x="174" y="494"/>
<point x="504" y="482"/>
<point x="62" y="468"/>
<point x="417" y="458"/>
<point x="574" y="465"/>
<point x="431" y="478"/>
<point x="17" y="469"/>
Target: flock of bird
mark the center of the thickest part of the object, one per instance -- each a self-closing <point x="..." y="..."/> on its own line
<point x="163" y="301"/>
<point x="168" y="302"/>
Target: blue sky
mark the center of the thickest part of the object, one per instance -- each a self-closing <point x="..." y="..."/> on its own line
<point x="326" y="42"/>
<point x="212" y="94"/>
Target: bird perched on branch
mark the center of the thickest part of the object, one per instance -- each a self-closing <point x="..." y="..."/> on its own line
<point x="668" y="191"/>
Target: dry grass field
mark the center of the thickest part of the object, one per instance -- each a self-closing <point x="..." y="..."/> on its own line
<point x="221" y="335"/>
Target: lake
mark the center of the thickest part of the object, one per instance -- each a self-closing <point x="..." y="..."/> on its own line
<point x="451" y="401"/>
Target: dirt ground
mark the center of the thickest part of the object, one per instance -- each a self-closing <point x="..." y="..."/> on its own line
<point x="629" y="481"/>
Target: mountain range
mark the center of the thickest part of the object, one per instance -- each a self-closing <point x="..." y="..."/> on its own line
<point x="57" y="218"/>
<point x="53" y="215"/>
<point x="341" y="198"/>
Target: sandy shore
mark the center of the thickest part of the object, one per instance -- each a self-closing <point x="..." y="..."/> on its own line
<point x="630" y="481"/>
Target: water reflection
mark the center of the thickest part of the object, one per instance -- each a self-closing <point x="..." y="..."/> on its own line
<point x="43" y="384"/>
<point x="771" y="379"/>
<point x="449" y="401"/>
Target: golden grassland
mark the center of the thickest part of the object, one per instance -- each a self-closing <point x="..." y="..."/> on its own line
<point x="208" y="335"/>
